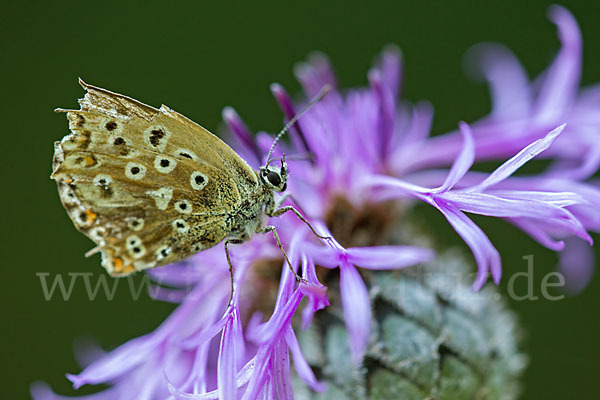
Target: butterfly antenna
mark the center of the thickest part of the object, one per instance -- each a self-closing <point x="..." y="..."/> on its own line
<point x="324" y="90"/>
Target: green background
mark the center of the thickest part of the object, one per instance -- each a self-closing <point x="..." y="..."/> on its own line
<point x="199" y="57"/>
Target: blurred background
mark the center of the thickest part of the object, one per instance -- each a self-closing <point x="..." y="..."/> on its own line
<point x="198" y="57"/>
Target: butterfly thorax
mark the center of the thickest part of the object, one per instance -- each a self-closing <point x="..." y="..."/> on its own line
<point x="248" y="218"/>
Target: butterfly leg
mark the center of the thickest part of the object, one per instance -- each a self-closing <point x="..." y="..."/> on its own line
<point x="282" y="210"/>
<point x="227" y="242"/>
<point x="273" y="230"/>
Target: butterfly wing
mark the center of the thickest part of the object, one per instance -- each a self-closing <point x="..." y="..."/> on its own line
<point x="148" y="186"/>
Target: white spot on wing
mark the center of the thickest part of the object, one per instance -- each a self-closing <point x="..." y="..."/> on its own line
<point x="138" y="252"/>
<point x="180" y="226"/>
<point x="102" y="180"/>
<point x="132" y="241"/>
<point x="106" y="263"/>
<point x="141" y="265"/>
<point x="183" y="206"/>
<point x="111" y="125"/>
<point x="185" y="153"/>
<point x="135" y="224"/>
<point x="198" y="180"/>
<point x="67" y="194"/>
<point x="162" y="253"/>
<point x="196" y="247"/>
<point x="156" y="137"/>
<point x="164" y="164"/>
<point x="162" y="197"/>
<point x="135" y="171"/>
<point x="97" y="234"/>
<point x="135" y="247"/>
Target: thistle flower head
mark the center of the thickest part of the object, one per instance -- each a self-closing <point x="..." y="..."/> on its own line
<point x="368" y="156"/>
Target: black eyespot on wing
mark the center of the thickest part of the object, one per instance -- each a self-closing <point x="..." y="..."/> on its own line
<point x="111" y="126"/>
<point x="135" y="170"/>
<point x="155" y="136"/>
<point x="199" y="179"/>
<point x="164" y="163"/>
<point x="119" y="141"/>
<point x="274" y="178"/>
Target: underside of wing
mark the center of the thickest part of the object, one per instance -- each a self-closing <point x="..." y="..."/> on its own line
<point x="168" y="132"/>
<point x="135" y="225"/>
<point x="148" y="186"/>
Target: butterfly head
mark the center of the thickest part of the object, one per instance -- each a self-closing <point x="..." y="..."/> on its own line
<point x="274" y="176"/>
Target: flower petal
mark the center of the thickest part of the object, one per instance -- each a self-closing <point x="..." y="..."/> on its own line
<point x="357" y="309"/>
<point x="463" y="162"/>
<point x="509" y="85"/>
<point x="486" y="204"/>
<point x="576" y="265"/>
<point x="322" y="255"/>
<point x="390" y="65"/>
<point x="538" y="233"/>
<point x="558" y="199"/>
<point x="280" y="363"/>
<point x="386" y="112"/>
<point x="243" y="377"/>
<point x="388" y="257"/>
<point x="228" y="357"/>
<point x="286" y="105"/>
<point x="261" y="373"/>
<point x="282" y="316"/>
<point x="301" y="366"/>
<point x="560" y="82"/>
<point x="516" y="162"/>
<point x="117" y="362"/>
<point x="486" y="255"/>
<point x="41" y="391"/>
<point x="242" y="133"/>
<point x="317" y="293"/>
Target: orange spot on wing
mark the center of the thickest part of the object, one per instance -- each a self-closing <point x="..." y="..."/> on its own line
<point x="118" y="264"/>
<point x="128" y="269"/>
<point x="89" y="161"/>
<point x="90" y="215"/>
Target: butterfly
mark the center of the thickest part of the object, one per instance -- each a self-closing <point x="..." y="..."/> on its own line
<point x="150" y="187"/>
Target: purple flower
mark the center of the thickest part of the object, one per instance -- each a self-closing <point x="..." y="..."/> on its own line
<point x="519" y="206"/>
<point x="363" y="149"/>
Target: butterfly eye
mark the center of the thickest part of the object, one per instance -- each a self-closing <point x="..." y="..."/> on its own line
<point x="274" y="178"/>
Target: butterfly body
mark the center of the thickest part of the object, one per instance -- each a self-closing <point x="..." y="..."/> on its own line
<point x="150" y="187"/>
